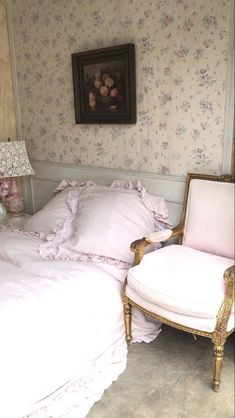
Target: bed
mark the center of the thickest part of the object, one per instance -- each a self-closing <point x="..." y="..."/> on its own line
<point x="61" y="319"/>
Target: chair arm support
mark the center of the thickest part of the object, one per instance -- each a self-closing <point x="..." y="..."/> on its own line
<point x="226" y="306"/>
<point x="229" y="274"/>
<point x="139" y="245"/>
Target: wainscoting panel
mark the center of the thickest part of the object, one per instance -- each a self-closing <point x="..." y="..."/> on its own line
<point x="39" y="188"/>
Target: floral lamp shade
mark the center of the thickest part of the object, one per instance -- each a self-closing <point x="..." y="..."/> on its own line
<point x="14" y="160"/>
<point x="14" y="163"/>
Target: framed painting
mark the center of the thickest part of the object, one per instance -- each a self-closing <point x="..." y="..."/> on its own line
<point x="104" y="85"/>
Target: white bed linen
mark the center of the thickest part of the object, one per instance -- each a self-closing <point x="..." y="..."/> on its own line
<point x="61" y="322"/>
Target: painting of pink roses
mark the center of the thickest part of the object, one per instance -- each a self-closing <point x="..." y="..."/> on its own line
<point x="104" y="85"/>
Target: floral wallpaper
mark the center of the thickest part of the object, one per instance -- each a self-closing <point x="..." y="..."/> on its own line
<point x="181" y="63"/>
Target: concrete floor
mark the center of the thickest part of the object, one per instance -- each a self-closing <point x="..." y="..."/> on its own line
<point x="170" y="378"/>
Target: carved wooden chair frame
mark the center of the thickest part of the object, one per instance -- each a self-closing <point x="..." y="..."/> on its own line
<point x="220" y="334"/>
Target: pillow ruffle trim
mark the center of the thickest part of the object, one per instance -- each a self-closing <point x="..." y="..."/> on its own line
<point x="50" y="247"/>
<point x="73" y="183"/>
<point x="155" y="204"/>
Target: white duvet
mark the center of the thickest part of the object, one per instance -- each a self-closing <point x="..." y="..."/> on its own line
<point x="62" y="334"/>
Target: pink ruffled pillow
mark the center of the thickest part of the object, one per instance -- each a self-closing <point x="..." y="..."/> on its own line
<point x="106" y="221"/>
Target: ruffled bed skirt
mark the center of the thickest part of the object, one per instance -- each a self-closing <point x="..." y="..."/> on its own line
<point x="75" y="399"/>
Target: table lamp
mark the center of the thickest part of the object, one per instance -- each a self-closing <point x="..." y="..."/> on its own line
<point x="14" y="163"/>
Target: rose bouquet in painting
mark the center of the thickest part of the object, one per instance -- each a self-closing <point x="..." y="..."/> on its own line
<point x="104" y="89"/>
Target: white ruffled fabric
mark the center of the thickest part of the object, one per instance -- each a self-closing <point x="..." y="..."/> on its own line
<point x="62" y="232"/>
<point x="155" y="204"/>
<point x="73" y="183"/>
<point x="75" y="399"/>
<point x="50" y="248"/>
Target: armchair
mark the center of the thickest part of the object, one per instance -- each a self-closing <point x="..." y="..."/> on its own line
<point x="189" y="284"/>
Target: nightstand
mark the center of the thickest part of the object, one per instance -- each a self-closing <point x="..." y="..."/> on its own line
<point x="17" y="223"/>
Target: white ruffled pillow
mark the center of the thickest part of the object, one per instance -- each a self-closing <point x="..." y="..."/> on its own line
<point x="107" y="220"/>
<point x="52" y="215"/>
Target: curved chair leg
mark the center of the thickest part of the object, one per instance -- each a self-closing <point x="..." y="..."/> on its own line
<point x="218" y="359"/>
<point x="127" y="316"/>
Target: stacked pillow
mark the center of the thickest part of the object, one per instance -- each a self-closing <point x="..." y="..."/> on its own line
<point x="99" y="223"/>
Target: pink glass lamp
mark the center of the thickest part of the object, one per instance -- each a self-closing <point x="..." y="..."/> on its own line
<point x="14" y="163"/>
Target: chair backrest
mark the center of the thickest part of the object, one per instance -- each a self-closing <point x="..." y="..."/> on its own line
<point x="209" y="217"/>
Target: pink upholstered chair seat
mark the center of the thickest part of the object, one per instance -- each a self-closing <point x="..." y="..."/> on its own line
<point x="188" y="290"/>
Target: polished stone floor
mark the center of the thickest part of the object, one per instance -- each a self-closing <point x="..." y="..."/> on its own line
<point x="170" y="378"/>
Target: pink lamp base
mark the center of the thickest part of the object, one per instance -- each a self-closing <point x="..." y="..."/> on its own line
<point x="15" y="201"/>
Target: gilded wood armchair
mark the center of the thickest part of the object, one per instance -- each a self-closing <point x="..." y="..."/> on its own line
<point x="189" y="285"/>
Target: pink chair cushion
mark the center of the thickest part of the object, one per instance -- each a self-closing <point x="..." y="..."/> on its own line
<point x="202" y="324"/>
<point x="181" y="280"/>
<point x="209" y="222"/>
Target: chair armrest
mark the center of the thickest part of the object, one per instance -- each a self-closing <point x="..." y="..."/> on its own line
<point x="229" y="274"/>
<point x="226" y="306"/>
<point x="160" y="236"/>
<point x="139" y="245"/>
<point x="229" y="278"/>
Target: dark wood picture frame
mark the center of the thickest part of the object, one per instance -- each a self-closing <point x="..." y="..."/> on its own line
<point x="105" y="85"/>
